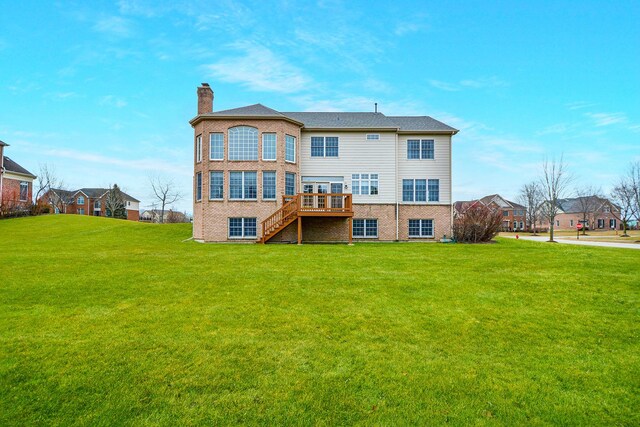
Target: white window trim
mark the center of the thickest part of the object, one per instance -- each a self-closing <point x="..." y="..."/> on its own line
<point x="210" y="143"/>
<point x="365" y="228"/>
<point x="199" y="148"/>
<point x="433" y="228"/>
<point x="368" y="180"/>
<point x="324" y="148"/>
<point x="420" y="151"/>
<point x="243" y="199"/>
<point x="295" y="149"/>
<point x="216" y="198"/>
<point x="276" y="147"/>
<point x="262" y="187"/>
<point x="243" y="237"/>
<point x="196" y="185"/>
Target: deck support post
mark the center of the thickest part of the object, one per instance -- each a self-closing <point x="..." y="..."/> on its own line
<point x="299" y="230"/>
<point x="350" y="230"/>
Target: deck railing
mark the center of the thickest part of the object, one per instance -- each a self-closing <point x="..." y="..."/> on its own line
<point x="321" y="203"/>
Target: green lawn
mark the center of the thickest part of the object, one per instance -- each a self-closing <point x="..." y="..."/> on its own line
<point x="117" y="323"/>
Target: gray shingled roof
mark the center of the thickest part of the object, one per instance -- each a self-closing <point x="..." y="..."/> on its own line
<point x="341" y="120"/>
<point x="421" y="123"/>
<point x="250" y="110"/>
<point x="95" y="193"/>
<point x="574" y="204"/>
<point x="333" y="120"/>
<point x="11" y="166"/>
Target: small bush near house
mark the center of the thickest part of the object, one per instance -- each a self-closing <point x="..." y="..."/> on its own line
<point x="477" y="224"/>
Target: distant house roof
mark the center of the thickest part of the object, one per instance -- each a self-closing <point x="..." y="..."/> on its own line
<point x="11" y="166"/>
<point x="578" y="204"/>
<point x="337" y="120"/>
<point x="96" y="193"/>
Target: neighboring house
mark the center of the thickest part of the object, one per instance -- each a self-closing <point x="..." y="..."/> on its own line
<point x="602" y="214"/>
<point x="514" y="215"/>
<point x="153" y="215"/>
<point x="16" y="183"/>
<point x="264" y="175"/>
<point x="88" y="201"/>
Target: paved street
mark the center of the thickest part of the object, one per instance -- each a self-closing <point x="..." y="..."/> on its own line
<point x="580" y="242"/>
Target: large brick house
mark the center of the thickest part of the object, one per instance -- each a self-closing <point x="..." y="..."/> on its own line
<point x="514" y="215"/>
<point x="16" y="183"/>
<point x="88" y="201"/>
<point x="598" y="212"/>
<point x="265" y="175"/>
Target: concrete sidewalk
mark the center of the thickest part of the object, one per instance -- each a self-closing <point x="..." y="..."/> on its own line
<point x="579" y="242"/>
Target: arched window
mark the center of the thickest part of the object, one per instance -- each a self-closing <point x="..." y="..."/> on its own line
<point x="243" y="143"/>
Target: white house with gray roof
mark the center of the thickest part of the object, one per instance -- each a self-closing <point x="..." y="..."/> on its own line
<point x="270" y="176"/>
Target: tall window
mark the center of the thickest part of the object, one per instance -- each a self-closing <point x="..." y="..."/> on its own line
<point x="243" y="185"/>
<point x="289" y="184"/>
<point x="434" y="190"/>
<point x="269" y="185"/>
<point x="24" y="191"/>
<point x="414" y="190"/>
<point x="365" y="228"/>
<point x="420" y="149"/>
<point x="198" y="148"/>
<point x="420" y="228"/>
<point x="243" y="143"/>
<point x="268" y="146"/>
<point x="216" y="185"/>
<point x="324" y="146"/>
<point x="242" y="228"/>
<point x="216" y="146"/>
<point x="290" y="149"/>
<point x="199" y="186"/>
<point x="364" y="183"/>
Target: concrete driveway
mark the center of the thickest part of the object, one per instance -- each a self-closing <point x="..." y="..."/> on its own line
<point x="580" y="242"/>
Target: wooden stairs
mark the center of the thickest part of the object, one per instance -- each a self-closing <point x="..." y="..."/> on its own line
<point x="306" y="204"/>
<point x="280" y="219"/>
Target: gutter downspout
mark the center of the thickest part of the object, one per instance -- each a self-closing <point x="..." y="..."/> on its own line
<point x="396" y="182"/>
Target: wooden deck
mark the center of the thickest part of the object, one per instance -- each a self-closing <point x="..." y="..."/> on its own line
<point x="306" y="205"/>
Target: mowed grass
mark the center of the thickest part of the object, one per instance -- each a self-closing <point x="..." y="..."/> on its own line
<point x="108" y="322"/>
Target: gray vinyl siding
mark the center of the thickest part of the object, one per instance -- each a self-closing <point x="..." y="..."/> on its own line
<point x="437" y="168"/>
<point x="355" y="155"/>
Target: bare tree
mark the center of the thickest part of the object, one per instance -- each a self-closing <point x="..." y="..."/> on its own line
<point x="589" y="201"/>
<point x="48" y="180"/>
<point x="555" y="183"/>
<point x="165" y="192"/>
<point x="623" y="196"/>
<point x="114" y="203"/>
<point x="531" y="197"/>
<point x="633" y="181"/>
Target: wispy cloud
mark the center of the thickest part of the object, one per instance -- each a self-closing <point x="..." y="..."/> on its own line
<point x="114" y="26"/>
<point x="607" y="119"/>
<point x="260" y="69"/>
<point x="479" y="83"/>
<point x="112" y="101"/>
<point x="577" y="105"/>
<point x="407" y="27"/>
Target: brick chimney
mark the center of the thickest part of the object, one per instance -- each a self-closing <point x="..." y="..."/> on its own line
<point x="205" y="99"/>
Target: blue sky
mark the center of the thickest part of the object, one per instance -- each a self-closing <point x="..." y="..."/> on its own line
<point x="103" y="91"/>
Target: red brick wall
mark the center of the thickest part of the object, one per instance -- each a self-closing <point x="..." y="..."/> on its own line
<point x="210" y="216"/>
<point x="11" y="192"/>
